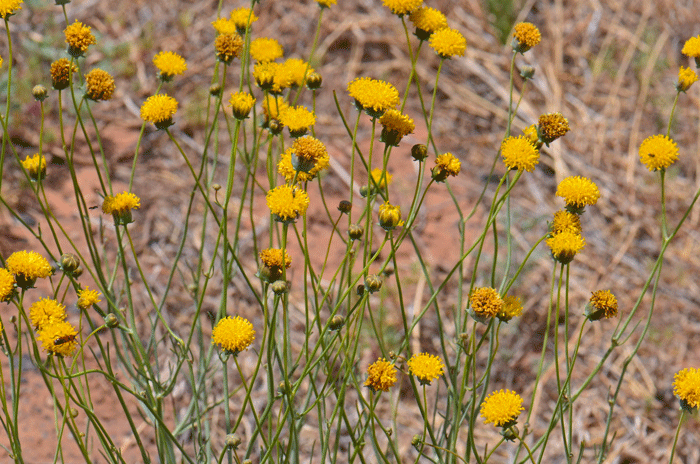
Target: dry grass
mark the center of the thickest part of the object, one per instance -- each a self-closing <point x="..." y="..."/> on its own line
<point x="610" y="67"/>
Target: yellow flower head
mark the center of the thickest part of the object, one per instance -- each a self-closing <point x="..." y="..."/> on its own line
<point x="243" y="18"/>
<point x="224" y="26"/>
<point x="448" y="42"/>
<point x="565" y="221"/>
<point x="382" y="375"/>
<point x="395" y="125"/>
<point x="686" y="78"/>
<point x="275" y="259"/>
<point x="264" y="74"/>
<point x="87" y="298"/>
<point x="289" y="158"/>
<point x="169" y="64"/>
<point x="228" y="47"/>
<point x="35" y="166"/>
<point x="7" y="284"/>
<point x="519" y="153"/>
<point x="273" y="106"/>
<point x="264" y="49"/>
<point x="602" y="304"/>
<point x="485" y="303"/>
<point x="241" y="104"/>
<point x="307" y="152"/>
<point x="658" y="152"/>
<point x="58" y="338"/>
<point x="287" y="203"/>
<point x="159" y="109"/>
<point x="526" y="36"/>
<point x="120" y="206"/>
<point x="61" y="71"/>
<point x="512" y="307"/>
<point x="381" y="178"/>
<point x="390" y="216"/>
<point x="298" y="119"/>
<point x="8" y="7"/>
<point x="427" y="20"/>
<point x="445" y="165"/>
<point x="552" y="126"/>
<point x="578" y="192"/>
<point x="425" y="367"/>
<point x="402" y="7"/>
<point x="530" y="133"/>
<point x="295" y="71"/>
<point x="373" y="96"/>
<point x="502" y="408"/>
<point x="27" y="266"/>
<point x="45" y="312"/>
<point x="78" y="38"/>
<point x="99" y="85"/>
<point x="326" y="3"/>
<point x="565" y="245"/>
<point x="691" y="47"/>
<point x="686" y="386"/>
<point x="233" y="334"/>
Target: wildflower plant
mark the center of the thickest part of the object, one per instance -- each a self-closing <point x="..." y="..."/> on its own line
<point x="285" y="325"/>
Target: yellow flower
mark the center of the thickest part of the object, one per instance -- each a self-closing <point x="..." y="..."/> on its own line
<point x="395" y="125"/>
<point x="120" y="206"/>
<point x="381" y="178"/>
<point x="427" y="20"/>
<point x="286" y="167"/>
<point x="518" y="153"/>
<point x="7" y="284"/>
<point x="425" y="367"/>
<point x="287" y="203"/>
<point x="275" y="259"/>
<point x="565" y="221"/>
<point x="264" y="49"/>
<point x="448" y="42"/>
<point x="61" y="71"/>
<point x="485" y="303"/>
<point x="578" y="192"/>
<point x="309" y="153"/>
<point x="294" y="71"/>
<point x="35" y="166"/>
<point x="326" y="3"/>
<point x="87" y="298"/>
<point x="298" y="119"/>
<point x="658" y="152"/>
<point x="58" y="338"/>
<point x="531" y="134"/>
<point x="382" y="375"/>
<point x="686" y="78"/>
<point x="243" y="18"/>
<point x="512" y="307"/>
<point x="228" y="47"/>
<point x="46" y="311"/>
<point x="445" y="165"/>
<point x="526" y="36"/>
<point x="241" y="104"/>
<point x="552" y="126"/>
<point x="27" y="266"/>
<point x="78" y="38"/>
<point x="264" y="74"/>
<point x="691" y="47"/>
<point x="373" y="96"/>
<point x="602" y="304"/>
<point x="402" y="7"/>
<point x="565" y="245"/>
<point x="686" y="386"/>
<point x="233" y="334"/>
<point x="390" y="216"/>
<point x="8" y="7"/>
<point x="273" y="106"/>
<point x="169" y="64"/>
<point x="224" y="26"/>
<point x="502" y="408"/>
<point x="159" y="109"/>
<point x="100" y="85"/>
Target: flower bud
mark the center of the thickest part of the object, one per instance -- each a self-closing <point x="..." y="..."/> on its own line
<point x="364" y="191"/>
<point x="215" y="90"/>
<point x="314" y="81"/>
<point x="39" y="92"/>
<point x="232" y="441"/>
<point x="389" y="216"/>
<point x="280" y="287"/>
<point x="69" y="262"/>
<point x="111" y="321"/>
<point x="337" y="322"/>
<point x="373" y="283"/>
<point x="356" y="231"/>
<point x="344" y="206"/>
<point x="78" y="272"/>
<point x="419" y="152"/>
<point x="274" y="126"/>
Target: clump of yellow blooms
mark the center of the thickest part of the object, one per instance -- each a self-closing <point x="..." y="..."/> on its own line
<point x="8" y="7"/>
<point x="35" y="166"/>
<point x="552" y="126"/>
<point x="228" y="47"/>
<point x="27" y="266"/>
<point x="45" y="312"/>
<point x="519" y="153"/>
<point x="380" y="177"/>
<point x="159" y="109"/>
<point x="402" y="7"/>
<point x="381" y="375"/>
<point x="658" y="152"/>
<point x="426" y="367"/>
<point x="502" y="408"/>
<point x="169" y="65"/>
<point x="58" y="338"/>
<point x="390" y="216"/>
<point x="298" y="120"/>
<point x="565" y="221"/>
<point x="265" y="49"/>
<point x="395" y="125"/>
<point x="233" y="334"/>
<point x="485" y="303"/>
<point x="78" y="38"/>
<point x="565" y="245"/>
<point x="445" y="165"/>
<point x="241" y="104"/>
<point x="373" y="96"/>
<point x="120" y="206"/>
<point x="602" y="304"/>
<point x="448" y="42"/>
<point x="686" y="386"/>
<point x="287" y="203"/>
<point x="7" y="284"/>
<point x="525" y="36"/>
<point x="686" y="78"/>
<point x="512" y="307"/>
<point x="61" y="71"/>
<point x="427" y="20"/>
<point x="578" y="192"/>
<point x="243" y="18"/>
<point x="99" y="85"/>
<point x="87" y="298"/>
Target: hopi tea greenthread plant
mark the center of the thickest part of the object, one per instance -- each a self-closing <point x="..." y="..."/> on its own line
<point x="258" y="389"/>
